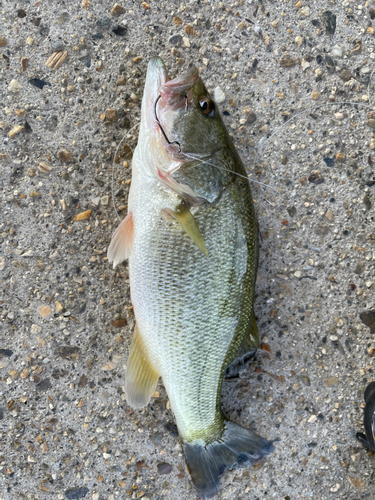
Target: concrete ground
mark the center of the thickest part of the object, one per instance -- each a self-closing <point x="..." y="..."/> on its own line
<point x="286" y="73"/>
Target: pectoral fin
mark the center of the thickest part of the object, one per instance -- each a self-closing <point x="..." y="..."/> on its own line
<point x="122" y="241"/>
<point x="183" y="215"/>
<point x="141" y="377"/>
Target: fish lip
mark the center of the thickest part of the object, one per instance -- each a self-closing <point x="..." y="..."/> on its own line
<point x="155" y="77"/>
<point x="173" y="91"/>
<point x="156" y="72"/>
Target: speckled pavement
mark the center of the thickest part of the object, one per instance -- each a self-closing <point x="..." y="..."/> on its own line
<point x="284" y="71"/>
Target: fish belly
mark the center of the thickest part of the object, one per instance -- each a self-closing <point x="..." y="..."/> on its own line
<point x="191" y="309"/>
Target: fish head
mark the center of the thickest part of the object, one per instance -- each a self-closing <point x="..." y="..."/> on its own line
<point x="182" y="116"/>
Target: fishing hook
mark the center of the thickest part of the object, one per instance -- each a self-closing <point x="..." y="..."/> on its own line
<point x="161" y="128"/>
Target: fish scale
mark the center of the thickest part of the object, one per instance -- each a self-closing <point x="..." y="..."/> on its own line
<point x="187" y="296"/>
<point x="191" y="237"/>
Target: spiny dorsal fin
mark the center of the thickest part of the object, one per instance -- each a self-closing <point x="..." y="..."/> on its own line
<point x="122" y="241"/>
<point x="183" y="215"/>
<point x="141" y="377"/>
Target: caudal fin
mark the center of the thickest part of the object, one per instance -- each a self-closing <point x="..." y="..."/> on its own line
<point x="236" y="447"/>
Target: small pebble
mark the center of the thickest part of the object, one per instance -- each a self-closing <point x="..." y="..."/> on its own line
<point x="104" y="201"/>
<point x="38" y="83"/>
<point x="110" y="114"/>
<point x="331" y="381"/>
<point x="121" y="81"/>
<point x="14" y="131"/>
<point x="64" y="156"/>
<point x="357" y="482"/>
<point x="337" y="51"/>
<point x="345" y="75"/>
<point x="45" y="311"/>
<point x="82" y="215"/>
<point x="219" y="95"/>
<point x="175" y="39"/>
<point x="164" y="468"/>
<point x="329" y="22"/>
<point x="14" y="86"/>
<point x="24" y="63"/>
<point x="117" y="10"/>
<point x="340" y="157"/>
<point x="335" y="488"/>
<point x="58" y="306"/>
<point x="57" y="46"/>
<point x="119" y="30"/>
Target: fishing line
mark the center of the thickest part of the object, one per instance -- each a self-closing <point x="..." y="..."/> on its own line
<point x="263" y="141"/>
<point x="230" y="171"/>
<point x="113" y="167"/>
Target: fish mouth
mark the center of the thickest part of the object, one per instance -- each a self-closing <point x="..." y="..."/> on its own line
<point x="162" y="96"/>
<point x="174" y="92"/>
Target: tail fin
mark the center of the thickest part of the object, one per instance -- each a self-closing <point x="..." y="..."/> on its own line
<point x="237" y="447"/>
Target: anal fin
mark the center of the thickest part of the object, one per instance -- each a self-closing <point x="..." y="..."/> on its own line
<point x="183" y="215"/>
<point x="122" y="240"/>
<point x="247" y="349"/>
<point x="141" y="377"/>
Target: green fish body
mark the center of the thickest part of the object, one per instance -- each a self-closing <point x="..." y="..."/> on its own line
<point x="191" y="237"/>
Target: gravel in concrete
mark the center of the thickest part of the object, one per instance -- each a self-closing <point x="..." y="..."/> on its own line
<point x="283" y="73"/>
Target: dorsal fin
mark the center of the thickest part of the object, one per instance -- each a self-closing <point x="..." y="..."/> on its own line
<point x="183" y="215"/>
<point x="122" y="240"/>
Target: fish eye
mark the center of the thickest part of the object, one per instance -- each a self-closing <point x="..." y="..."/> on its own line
<point x="207" y="106"/>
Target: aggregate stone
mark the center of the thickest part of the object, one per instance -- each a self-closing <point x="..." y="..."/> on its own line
<point x="329" y="22"/>
<point x="76" y="493"/>
<point x="57" y="46"/>
<point x="286" y="72"/>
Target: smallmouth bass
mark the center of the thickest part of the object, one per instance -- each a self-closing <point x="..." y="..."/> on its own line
<point x="191" y="237"/>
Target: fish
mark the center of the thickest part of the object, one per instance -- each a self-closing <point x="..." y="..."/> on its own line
<point x="191" y="238"/>
<point x="368" y="439"/>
